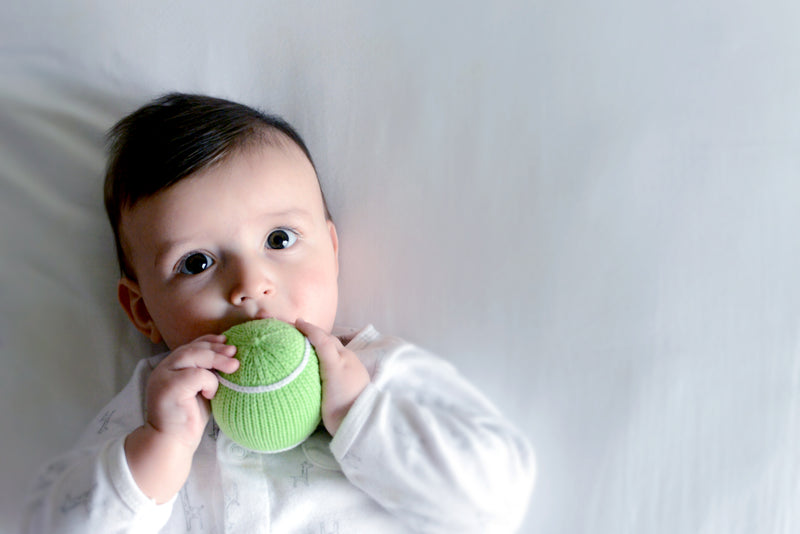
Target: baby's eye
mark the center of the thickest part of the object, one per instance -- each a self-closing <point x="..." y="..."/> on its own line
<point x="195" y="263"/>
<point x="281" y="238"/>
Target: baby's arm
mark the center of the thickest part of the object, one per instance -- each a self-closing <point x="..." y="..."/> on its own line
<point x="429" y="447"/>
<point x="160" y="452"/>
<point x="92" y="488"/>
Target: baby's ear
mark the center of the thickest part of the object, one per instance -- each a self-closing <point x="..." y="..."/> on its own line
<point x="131" y="300"/>
<point x="334" y="238"/>
<point x="335" y="243"/>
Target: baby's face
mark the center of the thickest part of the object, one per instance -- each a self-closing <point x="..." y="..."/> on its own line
<point x="245" y="239"/>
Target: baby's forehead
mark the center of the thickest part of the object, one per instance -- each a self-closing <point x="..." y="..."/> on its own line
<point x="279" y="175"/>
<point x="270" y="141"/>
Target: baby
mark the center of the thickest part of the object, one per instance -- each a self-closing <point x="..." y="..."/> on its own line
<point x="219" y="219"/>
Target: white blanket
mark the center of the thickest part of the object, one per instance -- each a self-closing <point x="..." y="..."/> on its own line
<point x="591" y="208"/>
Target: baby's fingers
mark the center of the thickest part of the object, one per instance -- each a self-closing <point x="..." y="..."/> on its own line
<point x="225" y="362"/>
<point x="328" y="347"/>
<point x="191" y="381"/>
<point x="343" y="375"/>
<point x="205" y="353"/>
<point x="336" y="361"/>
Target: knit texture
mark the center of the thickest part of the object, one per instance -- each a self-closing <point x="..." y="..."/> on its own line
<point x="280" y="402"/>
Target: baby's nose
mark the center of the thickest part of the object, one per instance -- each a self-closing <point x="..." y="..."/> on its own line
<point x="249" y="281"/>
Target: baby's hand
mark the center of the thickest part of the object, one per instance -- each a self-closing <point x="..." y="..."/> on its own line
<point x="180" y="387"/>
<point x="160" y="452"/>
<point x="344" y="377"/>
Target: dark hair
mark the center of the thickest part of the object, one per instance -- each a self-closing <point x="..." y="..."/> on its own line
<point x="175" y="136"/>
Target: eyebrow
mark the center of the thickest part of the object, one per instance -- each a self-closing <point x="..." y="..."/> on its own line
<point x="293" y="212"/>
<point x="165" y="248"/>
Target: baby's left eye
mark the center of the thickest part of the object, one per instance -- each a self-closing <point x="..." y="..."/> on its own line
<point x="281" y="238"/>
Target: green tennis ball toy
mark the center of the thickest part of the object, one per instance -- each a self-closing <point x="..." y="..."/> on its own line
<point x="273" y="401"/>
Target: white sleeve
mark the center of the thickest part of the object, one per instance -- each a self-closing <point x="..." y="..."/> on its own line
<point x="91" y="489"/>
<point x="430" y="448"/>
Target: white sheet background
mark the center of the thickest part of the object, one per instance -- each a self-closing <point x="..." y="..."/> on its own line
<point x="590" y="207"/>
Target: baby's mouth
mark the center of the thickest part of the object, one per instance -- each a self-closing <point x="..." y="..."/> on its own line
<point x="244" y="316"/>
<point x="241" y="319"/>
<point x="263" y="314"/>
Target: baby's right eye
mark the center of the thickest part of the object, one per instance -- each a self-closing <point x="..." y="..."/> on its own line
<point x="195" y="263"/>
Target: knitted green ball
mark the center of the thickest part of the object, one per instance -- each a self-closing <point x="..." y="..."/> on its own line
<point x="273" y="401"/>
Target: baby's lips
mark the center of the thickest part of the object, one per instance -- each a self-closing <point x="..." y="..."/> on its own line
<point x="263" y="314"/>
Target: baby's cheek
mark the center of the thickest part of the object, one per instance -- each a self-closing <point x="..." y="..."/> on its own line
<point x="184" y="319"/>
<point x="315" y="296"/>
